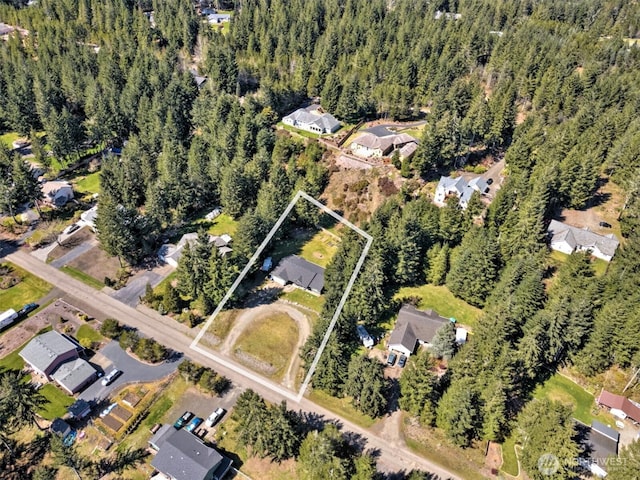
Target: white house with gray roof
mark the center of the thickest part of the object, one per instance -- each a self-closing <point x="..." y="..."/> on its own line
<point x="170" y="253"/>
<point x="459" y="187"/>
<point x="183" y="456"/>
<point x="414" y="327"/>
<point x="312" y="119"/>
<point x="567" y="239"/>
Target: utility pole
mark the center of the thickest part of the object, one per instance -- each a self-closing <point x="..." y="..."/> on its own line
<point x="633" y="377"/>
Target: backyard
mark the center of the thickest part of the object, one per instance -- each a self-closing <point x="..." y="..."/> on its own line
<point x="89" y="183"/>
<point x="316" y="246"/>
<point x="303" y="298"/>
<point x="441" y="300"/>
<point x="28" y="289"/>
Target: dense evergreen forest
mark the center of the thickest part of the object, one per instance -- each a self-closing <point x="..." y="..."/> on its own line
<point x="554" y="87"/>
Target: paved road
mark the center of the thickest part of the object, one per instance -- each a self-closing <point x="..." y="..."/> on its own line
<point x="132" y="371"/>
<point x="178" y="337"/>
<point x="71" y="255"/>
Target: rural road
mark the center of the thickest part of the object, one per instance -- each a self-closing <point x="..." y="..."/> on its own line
<point x="176" y="336"/>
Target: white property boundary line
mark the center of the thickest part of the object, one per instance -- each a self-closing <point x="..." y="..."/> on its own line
<point x="252" y="376"/>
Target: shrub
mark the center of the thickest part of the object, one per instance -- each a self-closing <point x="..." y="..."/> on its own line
<point x="129" y="339"/>
<point x="86" y="342"/>
<point x="479" y="169"/>
<point x="111" y="328"/>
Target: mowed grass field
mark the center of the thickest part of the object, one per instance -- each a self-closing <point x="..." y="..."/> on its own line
<point x="89" y="183"/>
<point x="320" y="248"/>
<point x="272" y="340"/>
<point x="305" y="299"/>
<point x="30" y="289"/>
<point x="8" y="138"/>
<point x="223" y="224"/>
<point x="440" y="299"/>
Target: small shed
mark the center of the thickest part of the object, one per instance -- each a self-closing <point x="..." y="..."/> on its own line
<point x="60" y="428"/>
<point x="80" y="409"/>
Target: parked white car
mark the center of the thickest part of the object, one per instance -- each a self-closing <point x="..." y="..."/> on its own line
<point x="215" y="417"/>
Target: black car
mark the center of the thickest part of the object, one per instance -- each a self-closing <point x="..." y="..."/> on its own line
<point x="605" y="224"/>
<point x="489" y="181"/>
<point x="29" y="307"/>
<point x="183" y="420"/>
<point x="391" y="359"/>
<point x="402" y="361"/>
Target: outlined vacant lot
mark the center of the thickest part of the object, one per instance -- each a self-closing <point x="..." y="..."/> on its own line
<point x="195" y="345"/>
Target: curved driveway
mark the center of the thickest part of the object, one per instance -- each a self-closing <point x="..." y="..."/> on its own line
<point x="132" y="371"/>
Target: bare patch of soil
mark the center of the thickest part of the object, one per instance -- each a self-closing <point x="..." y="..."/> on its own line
<point x="81" y="236"/>
<point x="97" y="263"/>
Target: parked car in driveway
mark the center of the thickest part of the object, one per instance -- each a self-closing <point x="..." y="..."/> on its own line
<point x="605" y="224"/>
<point x="193" y="424"/>
<point x="111" y="376"/>
<point x="183" y="420"/>
<point x="71" y="228"/>
<point x="29" y="307"/>
<point x="402" y="361"/>
<point x="391" y="359"/>
<point x="215" y="417"/>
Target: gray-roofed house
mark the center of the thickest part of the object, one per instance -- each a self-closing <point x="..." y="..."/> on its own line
<point x="460" y="188"/>
<point x="300" y="272"/>
<point x="414" y="327"/>
<point x="218" y="18"/>
<point x="79" y="409"/>
<point x="46" y="352"/>
<point x="89" y="217"/>
<point x="379" y="142"/>
<point x="601" y="442"/>
<point x="183" y="456"/>
<point x="312" y="119"/>
<point x="60" y="427"/>
<point x="74" y="375"/>
<point x="170" y="253"/>
<point x="57" y="193"/>
<point x="567" y="239"/>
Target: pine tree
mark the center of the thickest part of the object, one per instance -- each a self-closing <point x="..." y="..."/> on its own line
<point x="418" y="388"/>
<point x="366" y="385"/>
<point x="444" y="343"/>
<point x="459" y="414"/>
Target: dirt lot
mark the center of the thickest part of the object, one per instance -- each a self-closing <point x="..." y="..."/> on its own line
<point x="81" y="236"/>
<point x="97" y="263"/>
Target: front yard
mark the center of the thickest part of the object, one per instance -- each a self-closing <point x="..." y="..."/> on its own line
<point x="29" y="288"/>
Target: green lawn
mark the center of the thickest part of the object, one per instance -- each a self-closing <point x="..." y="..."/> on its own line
<point x="223" y="224"/>
<point x="88" y="332"/>
<point x="320" y="249"/>
<point x="83" y="277"/>
<point x="342" y="407"/>
<point x="440" y="299"/>
<point x="296" y="131"/>
<point x="223" y="322"/>
<point x="58" y="402"/>
<point x="509" y="458"/>
<point x="305" y="299"/>
<point x="8" y="138"/>
<point x="273" y="340"/>
<point x="30" y="289"/>
<point x="561" y="389"/>
<point x="599" y="266"/>
<point x="89" y="183"/>
<point x="13" y="361"/>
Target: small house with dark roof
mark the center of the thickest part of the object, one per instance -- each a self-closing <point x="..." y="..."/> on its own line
<point x="46" y="352"/>
<point x="414" y="327"/>
<point x="79" y="409"/>
<point x="301" y="273"/>
<point x="60" y="428"/>
<point x="183" y="456"/>
<point x="600" y="443"/>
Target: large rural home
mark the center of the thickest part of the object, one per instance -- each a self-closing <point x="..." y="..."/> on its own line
<point x="55" y="357"/>
<point x="170" y="253"/>
<point x="414" y="327"/>
<point x="459" y="188"/>
<point x="377" y="142"/>
<point x="57" y="193"/>
<point x="299" y="272"/>
<point x="183" y="456"/>
<point x="567" y="239"/>
<point x="312" y="119"/>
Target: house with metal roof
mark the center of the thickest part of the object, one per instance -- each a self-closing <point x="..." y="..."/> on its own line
<point x="312" y="119"/>
<point x="414" y="327"/>
<point x="568" y="239"/>
<point x="46" y="352"/>
<point x="619" y="406"/>
<point x="183" y="456"/>
<point x="299" y="272"/>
